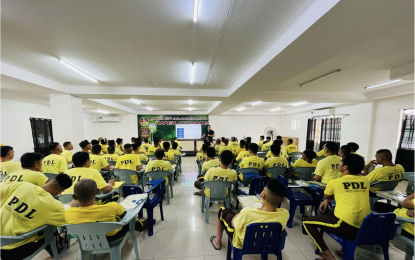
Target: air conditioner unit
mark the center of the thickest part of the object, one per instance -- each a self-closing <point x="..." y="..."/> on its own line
<point x="108" y="119"/>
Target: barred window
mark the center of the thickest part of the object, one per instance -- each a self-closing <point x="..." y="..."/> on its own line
<point x="331" y="130"/>
<point x="295" y="124"/>
<point x="407" y="134"/>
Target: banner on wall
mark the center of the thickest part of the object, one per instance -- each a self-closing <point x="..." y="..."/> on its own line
<point x="164" y="127"/>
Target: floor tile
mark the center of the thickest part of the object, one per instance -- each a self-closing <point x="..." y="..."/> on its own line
<point x="183" y="242"/>
<point x="183" y="219"/>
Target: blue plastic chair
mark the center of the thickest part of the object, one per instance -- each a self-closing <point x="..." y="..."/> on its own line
<point x="48" y="232"/>
<point x="260" y="239"/>
<point x="301" y="199"/>
<point x="257" y="186"/>
<point x="219" y="191"/>
<point x="377" y="229"/>
<point x="409" y="242"/>
<point x="160" y="175"/>
<point x="247" y="180"/>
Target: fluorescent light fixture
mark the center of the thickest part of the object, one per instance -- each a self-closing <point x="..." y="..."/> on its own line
<point x="319" y="77"/>
<point x="299" y="104"/>
<point x="190" y="109"/>
<point x="135" y="101"/>
<point x="242" y="108"/>
<point x="275" y="109"/>
<point x="192" y="74"/>
<point x="195" y="10"/>
<point x="256" y="103"/>
<point x="78" y="70"/>
<point x="190" y="102"/>
<point x="149" y="109"/>
<point x="383" y="83"/>
<point x="102" y="111"/>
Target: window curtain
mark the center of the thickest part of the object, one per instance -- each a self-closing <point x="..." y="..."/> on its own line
<point x="42" y="135"/>
<point x="331" y="131"/>
<point x="405" y="153"/>
<point x="311" y="131"/>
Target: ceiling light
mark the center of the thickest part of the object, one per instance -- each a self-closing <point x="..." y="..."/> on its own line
<point x="275" y="109"/>
<point x="78" y="70"/>
<point x="190" y="102"/>
<point x="190" y="109"/>
<point x="135" y="101"/>
<point x="149" y="109"/>
<point x="256" y="103"/>
<point x="299" y="104"/>
<point x="319" y="77"/>
<point x="102" y="111"/>
<point x="383" y="83"/>
<point x="192" y="74"/>
<point x="242" y="108"/>
<point x="195" y="10"/>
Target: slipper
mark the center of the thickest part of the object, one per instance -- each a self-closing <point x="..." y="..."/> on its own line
<point x="197" y="193"/>
<point x="211" y="241"/>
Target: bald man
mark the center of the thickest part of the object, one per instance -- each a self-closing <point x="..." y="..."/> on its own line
<point x="88" y="212"/>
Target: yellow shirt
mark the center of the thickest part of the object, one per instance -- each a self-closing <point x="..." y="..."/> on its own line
<point x="266" y="146"/>
<point x="409" y="227"/>
<point x="200" y="156"/>
<point x="80" y="173"/>
<point x="387" y="173"/>
<point x="234" y="146"/>
<point x="211" y="163"/>
<point x="352" y="198"/>
<point x="178" y="144"/>
<point x="118" y="151"/>
<point x="9" y="167"/>
<point x="283" y="153"/>
<point x="143" y="150"/>
<point x="117" y="146"/>
<point x="109" y="212"/>
<point x="240" y="150"/>
<point x="252" y="162"/>
<point x="67" y="154"/>
<point x="223" y="148"/>
<point x="175" y="152"/>
<point x="27" y="175"/>
<point x="159" y="165"/>
<point x="200" y="147"/>
<point x="152" y="150"/>
<point x="302" y="163"/>
<point x="104" y="148"/>
<point x="168" y="156"/>
<point x="54" y="164"/>
<point x="129" y="162"/>
<point x="291" y="148"/>
<point x="146" y="146"/>
<point x="260" y="143"/>
<point x="217" y="173"/>
<point x="242" y="155"/>
<point x="111" y="157"/>
<point x="321" y="153"/>
<point x="142" y="157"/>
<point x="217" y="147"/>
<point x="41" y="209"/>
<point x="98" y="162"/>
<point x="250" y="215"/>
<point x="275" y="162"/>
<point x="328" y="168"/>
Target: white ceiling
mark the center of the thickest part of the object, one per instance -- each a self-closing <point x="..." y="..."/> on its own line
<point x="243" y="51"/>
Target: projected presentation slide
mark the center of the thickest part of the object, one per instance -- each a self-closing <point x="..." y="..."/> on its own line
<point x="188" y="131"/>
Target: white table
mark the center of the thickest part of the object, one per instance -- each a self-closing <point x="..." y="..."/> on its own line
<point x="250" y="201"/>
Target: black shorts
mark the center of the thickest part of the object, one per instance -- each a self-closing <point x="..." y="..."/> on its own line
<point x="225" y="217"/>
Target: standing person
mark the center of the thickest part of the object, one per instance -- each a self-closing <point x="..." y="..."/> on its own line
<point x="6" y="165"/>
<point x="67" y="152"/>
<point x="54" y="163"/>
<point x="209" y="133"/>
<point x="328" y="168"/>
<point x="85" y="146"/>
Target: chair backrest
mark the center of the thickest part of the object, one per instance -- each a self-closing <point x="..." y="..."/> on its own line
<point x="201" y="163"/>
<point x="258" y="184"/>
<point x="177" y="158"/>
<point x="385" y="185"/>
<point x="295" y="154"/>
<point x="125" y="175"/>
<point x="285" y="182"/>
<point x="320" y="158"/>
<point x="217" y="188"/>
<point x="50" y="175"/>
<point x="263" y="238"/>
<point x="130" y="190"/>
<point x="409" y="176"/>
<point x="158" y="175"/>
<point x="276" y="171"/>
<point x="91" y="236"/>
<point x="152" y="157"/>
<point x="246" y="170"/>
<point x="377" y="229"/>
<point x="261" y="154"/>
<point x="305" y="173"/>
<point x="65" y="198"/>
<point x="2" y="176"/>
<point x="107" y="196"/>
<point x="112" y="163"/>
<point x="171" y="162"/>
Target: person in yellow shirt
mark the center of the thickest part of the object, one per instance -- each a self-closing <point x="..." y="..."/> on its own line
<point x="283" y="152"/>
<point x="152" y="149"/>
<point x="307" y="160"/>
<point x="89" y="212"/>
<point x="354" y="147"/>
<point x="54" y="163"/>
<point x="169" y="156"/>
<point x="98" y="162"/>
<point x="85" y="146"/>
<point x="175" y="149"/>
<point x="218" y="145"/>
<point x="267" y="144"/>
<point x="352" y="205"/>
<point x="225" y="147"/>
<point x="146" y="144"/>
<point x="32" y="170"/>
<point x="253" y="161"/>
<point x="129" y="161"/>
<point x="96" y="142"/>
<point x="322" y="152"/>
<point x="389" y="171"/>
<point x="276" y="160"/>
<point x="407" y="211"/>
<point x="104" y="145"/>
<point x="136" y="150"/>
<point x="234" y="144"/>
<point x="235" y="224"/>
<point x="222" y="173"/>
<point x="117" y="151"/>
<point x="6" y="164"/>
<point x="261" y="140"/>
<point x="119" y="145"/>
<point x="132" y="140"/>
<point x="202" y="155"/>
<point x="67" y="152"/>
<point x="241" y="147"/>
<point x="159" y="164"/>
<point x="25" y="207"/>
<point x="174" y="140"/>
<point x="211" y="161"/>
<point x="328" y="168"/>
<point x="344" y="150"/>
<point x="290" y="148"/>
<point x="111" y="155"/>
<point x="205" y="141"/>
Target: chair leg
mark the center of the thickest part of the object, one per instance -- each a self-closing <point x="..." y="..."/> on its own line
<point x="302" y="209"/>
<point x="134" y="237"/>
<point x="279" y="255"/>
<point x="203" y="202"/>
<point x="237" y="254"/>
<point x="348" y="249"/>
<point x="409" y="252"/>
<point x="229" y="250"/>
<point x="207" y="205"/>
<point x="264" y="256"/>
<point x="115" y="254"/>
<point x="385" y="249"/>
<point x="150" y="220"/>
<point x="168" y="194"/>
<point x="171" y="187"/>
<point x="54" y="249"/>
<point x="161" y="210"/>
<point x="80" y="255"/>
<point x="293" y="207"/>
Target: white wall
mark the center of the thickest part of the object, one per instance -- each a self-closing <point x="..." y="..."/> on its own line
<point x="15" y="125"/>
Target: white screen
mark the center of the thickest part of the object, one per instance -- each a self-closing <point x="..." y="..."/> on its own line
<point x="188" y="131"/>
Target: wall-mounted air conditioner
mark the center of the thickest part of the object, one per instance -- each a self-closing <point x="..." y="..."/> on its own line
<point x="109" y="119"/>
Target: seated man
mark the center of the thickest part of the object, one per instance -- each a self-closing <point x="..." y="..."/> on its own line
<point x="104" y="145"/>
<point x="267" y="144"/>
<point x="328" y="168"/>
<point x="146" y="144"/>
<point x="54" y="163"/>
<point x="119" y="144"/>
<point x="407" y="211"/>
<point x="290" y="148"/>
<point x="322" y="152"/>
<point x="352" y="205"/>
<point x="276" y="160"/>
<point x="225" y="147"/>
<point x="218" y="145"/>
<point x="354" y="147"/>
<point x="211" y="161"/>
<point x="25" y="207"/>
<point x="167" y="154"/>
<point x="89" y="212"/>
<point x="283" y="152"/>
<point x="32" y="170"/>
<point x="261" y="140"/>
<point x="344" y="150"/>
<point x="132" y="140"/>
<point x="129" y="161"/>
<point x="152" y="149"/>
<point x="307" y="160"/>
<point x="241" y="147"/>
<point x="234" y="144"/>
<point x="111" y="155"/>
<point x="389" y="171"/>
<point x="82" y="170"/>
<point x="179" y="145"/>
<point x="141" y="149"/>
<point x="141" y="156"/>
<point x="253" y="161"/>
<point x="98" y="162"/>
<point x="202" y="155"/>
<point x="6" y="165"/>
<point x="175" y="149"/>
<point x="205" y="141"/>
<point x="117" y="150"/>
<point x="159" y="164"/>
<point x="222" y="173"/>
<point x="94" y="142"/>
<point x="67" y="152"/>
<point x="85" y="146"/>
<point x="235" y="224"/>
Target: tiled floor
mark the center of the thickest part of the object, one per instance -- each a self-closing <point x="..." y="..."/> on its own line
<point x="184" y="234"/>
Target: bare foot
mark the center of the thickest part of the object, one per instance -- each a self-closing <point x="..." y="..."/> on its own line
<point x="216" y="242"/>
<point x="328" y="256"/>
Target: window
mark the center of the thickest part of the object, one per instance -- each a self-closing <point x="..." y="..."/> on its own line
<point x="311" y="132"/>
<point x="331" y="130"/>
<point x="42" y="134"/>
<point x="406" y="141"/>
<point x="295" y="124"/>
